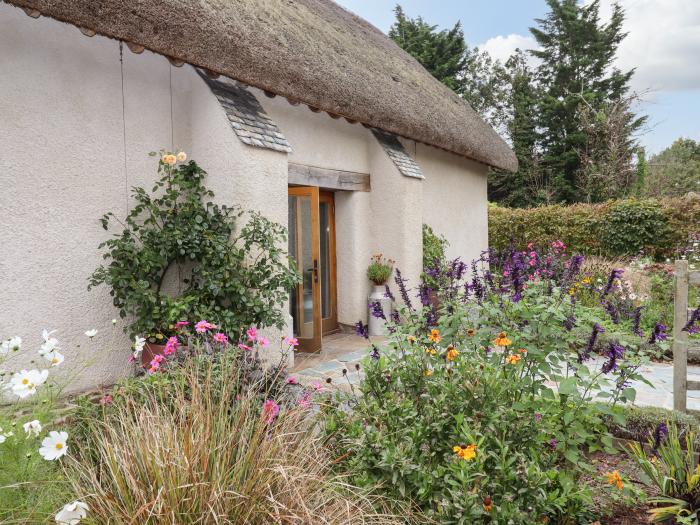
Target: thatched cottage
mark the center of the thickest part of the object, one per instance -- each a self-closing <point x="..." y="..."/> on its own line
<point x="294" y="107"/>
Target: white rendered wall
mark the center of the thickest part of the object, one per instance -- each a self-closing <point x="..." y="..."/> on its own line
<point x="63" y="128"/>
<point x="454" y="199"/>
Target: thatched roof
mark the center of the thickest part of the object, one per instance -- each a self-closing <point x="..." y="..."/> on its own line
<point x="310" y="51"/>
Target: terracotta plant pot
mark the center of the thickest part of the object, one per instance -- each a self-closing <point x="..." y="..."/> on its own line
<point x="150" y="350"/>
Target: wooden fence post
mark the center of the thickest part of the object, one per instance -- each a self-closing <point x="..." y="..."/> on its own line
<point x="680" y="338"/>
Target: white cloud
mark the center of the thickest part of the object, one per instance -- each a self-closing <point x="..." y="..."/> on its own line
<point x="502" y="47"/>
<point x="663" y="43"/>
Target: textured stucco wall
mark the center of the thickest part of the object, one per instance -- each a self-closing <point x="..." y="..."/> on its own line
<point x="63" y="128"/>
<point x="454" y="199"/>
<point x="317" y="139"/>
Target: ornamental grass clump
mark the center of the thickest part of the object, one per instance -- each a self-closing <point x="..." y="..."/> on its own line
<point x="219" y="451"/>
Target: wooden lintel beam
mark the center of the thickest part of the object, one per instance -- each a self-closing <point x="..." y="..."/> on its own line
<point x="327" y="178"/>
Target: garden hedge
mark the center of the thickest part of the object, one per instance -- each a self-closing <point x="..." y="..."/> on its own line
<point x="611" y="229"/>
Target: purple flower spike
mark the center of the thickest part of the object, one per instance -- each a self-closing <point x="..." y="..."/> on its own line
<point x="659" y="333"/>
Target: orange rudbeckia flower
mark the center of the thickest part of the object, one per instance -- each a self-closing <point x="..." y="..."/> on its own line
<point x="466" y="452"/>
<point x="513" y="359"/>
<point x="614" y="479"/>
<point x="434" y="336"/>
<point x="452" y="353"/>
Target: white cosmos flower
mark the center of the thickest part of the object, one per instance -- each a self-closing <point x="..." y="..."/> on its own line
<point x="24" y="383"/>
<point x="72" y="513"/>
<point x="54" y="445"/>
<point x="91" y="333"/>
<point x="139" y="343"/>
<point x="3" y="437"/>
<point x="54" y="357"/>
<point x="32" y="428"/>
<point x="50" y="343"/>
<point x="13" y="344"/>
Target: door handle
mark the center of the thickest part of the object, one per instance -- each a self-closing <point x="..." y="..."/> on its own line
<point x="316" y="270"/>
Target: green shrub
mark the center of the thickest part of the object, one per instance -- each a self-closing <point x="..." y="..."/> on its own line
<point x="640" y="422"/>
<point x="231" y="278"/>
<point x="434" y="247"/>
<point x="631" y="226"/>
<point x="611" y="229"/>
<point x="462" y="419"/>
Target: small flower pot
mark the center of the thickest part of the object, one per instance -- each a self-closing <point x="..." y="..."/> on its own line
<point x="378" y="326"/>
<point x="150" y="350"/>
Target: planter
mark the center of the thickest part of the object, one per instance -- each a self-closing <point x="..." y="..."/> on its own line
<point x="150" y="350"/>
<point x="378" y="326"/>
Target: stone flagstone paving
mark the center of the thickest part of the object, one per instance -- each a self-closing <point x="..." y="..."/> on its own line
<point x="344" y="351"/>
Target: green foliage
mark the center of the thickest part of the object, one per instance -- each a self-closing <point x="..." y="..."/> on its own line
<point x="230" y="278"/>
<point x="379" y="269"/>
<point x="470" y="73"/>
<point x="640" y="422"/>
<point x="615" y="228"/>
<point x="675" y="171"/>
<point x="673" y="468"/>
<point x="32" y="489"/>
<point x="632" y="226"/>
<point x="434" y="246"/>
<point x="461" y="418"/>
<point x="577" y="53"/>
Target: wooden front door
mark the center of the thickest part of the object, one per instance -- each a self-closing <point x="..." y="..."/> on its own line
<point x="312" y="246"/>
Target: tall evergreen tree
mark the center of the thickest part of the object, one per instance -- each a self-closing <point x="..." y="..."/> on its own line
<point x="519" y="189"/>
<point x="576" y="53"/>
<point x="470" y="73"/>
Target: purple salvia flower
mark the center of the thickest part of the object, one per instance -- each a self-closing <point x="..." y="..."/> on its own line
<point x="691" y="326"/>
<point x="377" y="310"/>
<point x="660" y="432"/>
<point x="362" y="329"/>
<point x="659" y="333"/>
<point x="375" y="353"/>
<point x="424" y="293"/>
<point x="612" y="311"/>
<point x="388" y="294"/>
<point x="614" y="353"/>
<point x="615" y="274"/>
<point x="570" y="322"/>
<point x="637" y="321"/>
<point x="597" y="329"/>
<point x="401" y="283"/>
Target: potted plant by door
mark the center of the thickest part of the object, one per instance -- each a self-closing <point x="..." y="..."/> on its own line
<point x="378" y="272"/>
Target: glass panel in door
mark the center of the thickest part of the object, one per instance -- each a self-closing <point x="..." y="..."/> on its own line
<point x="305" y="299"/>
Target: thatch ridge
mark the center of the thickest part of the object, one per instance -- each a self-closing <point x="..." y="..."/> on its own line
<point x="310" y="51"/>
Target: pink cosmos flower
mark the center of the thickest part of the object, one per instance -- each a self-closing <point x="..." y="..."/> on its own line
<point x="270" y="410"/>
<point x="318" y="387"/>
<point x="558" y="245"/>
<point x="181" y="324"/>
<point x="292" y="381"/>
<point x="264" y="342"/>
<point x="252" y="333"/>
<point x="157" y="360"/>
<point x="244" y="347"/>
<point x="132" y="359"/>
<point x="202" y="326"/>
<point x="291" y="341"/>
<point x="220" y="337"/>
<point x="171" y="346"/>
<point x="530" y="245"/>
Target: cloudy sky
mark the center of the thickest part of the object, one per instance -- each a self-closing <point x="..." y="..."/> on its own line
<point x="663" y="45"/>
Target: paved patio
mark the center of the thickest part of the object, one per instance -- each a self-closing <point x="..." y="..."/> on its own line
<point x="344" y="351"/>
